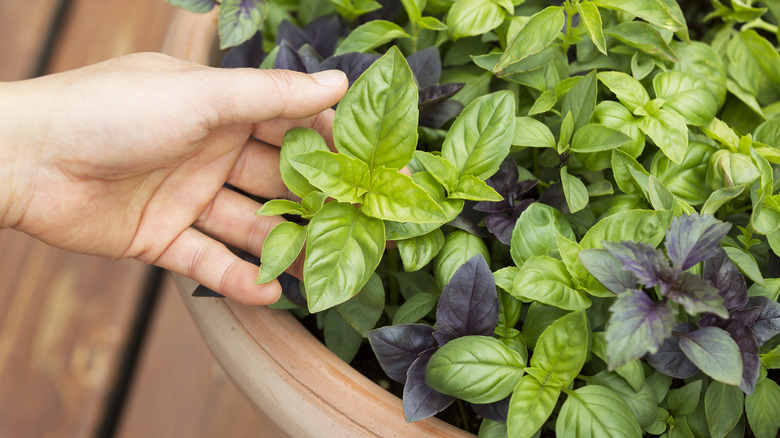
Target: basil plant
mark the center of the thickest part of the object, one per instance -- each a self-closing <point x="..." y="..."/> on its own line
<point x="542" y="218"/>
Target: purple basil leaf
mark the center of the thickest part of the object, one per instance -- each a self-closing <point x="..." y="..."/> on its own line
<point x="287" y="58"/>
<point x="291" y="288"/>
<point x="496" y="411"/>
<point x="353" y="64"/>
<point x="507" y="176"/>
<point x="748" y="349"/>
<point x="692" y="239"/>
<point x="608" y="270"/>
<point x="767" y="325"/>
<point x="647" y="263"/>
<point x="397" y="346"/>
<point x="669" y="359"/>
<point x="440" y="114"/>
<point x="747" y="316"/>
<point x="637" y="326"/>
<point x="555" y="198"/>
<point x="202" y="291"/>
<point x="468" y="305"/>
<point x="248" y="54"/>
<point x="695" y="295"/>
<point x="469" y="219"/>
<point x="291" y="33"/>
<point x="310" y="58"/>
<point x="501" y="226"/>
<point x="443" y="337"/>
<point x="420" y="400"/>
<point x="435" y="94"/>
<point x="389" y="11"/>
<point x="426" y="66"/>
<point x="724" y="275"/>
<point x="323" y="34"/>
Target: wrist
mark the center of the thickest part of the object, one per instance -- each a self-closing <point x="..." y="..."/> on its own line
<point x="16" y="153"/>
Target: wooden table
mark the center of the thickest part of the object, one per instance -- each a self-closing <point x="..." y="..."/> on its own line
<point x="89" y="346"/>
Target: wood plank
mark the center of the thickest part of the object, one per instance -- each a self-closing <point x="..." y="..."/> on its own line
<point x="65" y="319"/>
<point x="179" y="388"/>
<point x="63" y="326"/>
<point x="96" y="30"/>
<point x="24" y="29"/>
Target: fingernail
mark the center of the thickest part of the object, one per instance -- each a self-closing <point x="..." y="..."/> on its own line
<point x="330" y="78"/>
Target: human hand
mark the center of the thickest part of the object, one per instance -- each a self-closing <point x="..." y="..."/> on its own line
<point x="127" y="159"/>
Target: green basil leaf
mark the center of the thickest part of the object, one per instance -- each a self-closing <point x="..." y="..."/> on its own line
<point x="431" y="23"/>
<point x="340" y="337"/>
<point x="473" y="17"/>
<point x="492" y="429"/>
<point x="723" y="405"/>
<point x="665" y="14"/>
<point x="364" y="309"/>
<point x="481" y="136"/>
<point x="351" y="9"/>
<point x="477" y="369"/>
<point x="239" y="20"/>
<point x="567" y="129"/>
<point x="474" y="189"/>
<point x="632" y="371"/>
<point x="413" y="283"/>
<point x="746" y="264"/>
<point x="668" y="131"/>
<point x="197" y="6"/>
<point x="629" y="175"/>
<point x="699" y="59"/>
<point x="545" y="280"/>
<point x="714" y="351"/>
<point x="540" y="31"/>
<point x="530" y="406"/>
<point x="451" y="208"/>
<point x="337" y="175"/>
<point x="459" y="247"/>
<point x="591" y="19"/>
<point x="764" y="53"/>
<point x="641" y="65"/>
<point x="563" y="347"/>
<point x="278" y="207"/>
<point x="441" y="169"/>
<point x="415" y="308"/>
<point x="509" y="310"/>
<point x="594" y="137"/>
<point x="763" y="409"/>
<point x="721" y="197"/>
<point x="544" y="103"/>
<point x="369" y="36"/>
<point x="394" y="196"/>
<point x="280" y="249"/>
<point x="344" y="247"/>
<point x="582" y="414"/>
<point x="628" y="90"/>
<point x="644" y="37"/>
<point x="530" y="132"/>
<point x="418" y="251"/>
<point x="575" y="191"/>
<point x="688" y="95"/>
<point x="581" y="100"/>
<point x="641" y="403"/>
<point x="505" y="277"/>
<point x="413" y="9"/>
<point x="535" y="233"/>
<point x="644" y="226"/>
<point x="569" y="251"/>
<point x="376" y="121"/>
<point x="298" y="141"/>
<point x="684" y="180"/>
<point x="684" y="400"/>
<point x="313" y="202"/>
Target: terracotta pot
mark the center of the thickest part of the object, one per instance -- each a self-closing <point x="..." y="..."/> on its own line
<point x="282" y="368"/>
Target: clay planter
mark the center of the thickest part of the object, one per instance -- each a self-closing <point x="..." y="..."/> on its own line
<point x="282" y="368"/>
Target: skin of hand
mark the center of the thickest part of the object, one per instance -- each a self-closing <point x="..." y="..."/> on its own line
<point x="127" y="159"/>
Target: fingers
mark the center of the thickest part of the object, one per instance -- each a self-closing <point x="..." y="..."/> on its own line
<point x="253" y="96"/>
<point x="211" y="264"/>
<point x="257" y="171"/>
<point x="273" y="131"/>
<point x="230" y="218"/>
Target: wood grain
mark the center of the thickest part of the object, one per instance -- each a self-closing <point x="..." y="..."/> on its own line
<point x="24" y="29"/>
<point x="63" y="325"/>
<point x="180" y="389"/>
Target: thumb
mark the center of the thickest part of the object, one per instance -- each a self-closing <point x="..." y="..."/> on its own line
<point x="253" y="96"/>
